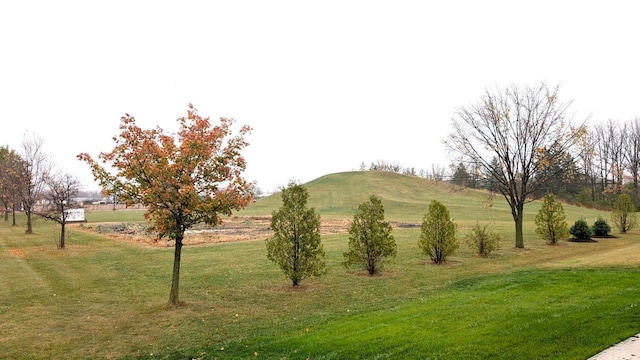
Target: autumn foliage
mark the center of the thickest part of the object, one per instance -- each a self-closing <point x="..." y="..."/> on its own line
<point x="184" y="179"/>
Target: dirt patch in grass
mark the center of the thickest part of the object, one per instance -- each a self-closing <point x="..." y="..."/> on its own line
<point x="20" y="254"/>
<point x="233" y="229"/>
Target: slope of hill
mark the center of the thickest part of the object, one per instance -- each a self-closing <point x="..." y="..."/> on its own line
<point x="406" y="199"/>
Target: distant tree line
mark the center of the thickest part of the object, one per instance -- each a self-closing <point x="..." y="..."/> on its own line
<point x="521" y="142"/>
<point x="436" y="173"/>
<point x="603" y="165"/>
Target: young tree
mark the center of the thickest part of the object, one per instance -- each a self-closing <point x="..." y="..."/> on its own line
<point x="295" y="245"/>
<point x="581" y="230"/>
<point x="60" y="190"/>
<point x="36" y="166"/>
<point x="370" y="239"/>
<point x="600" y="228"/>
<point x="523" y="129"/>
<point x="5" y="184"/>
<point x="551" y="221"/>
<point x="184" y="180"/>
<point x="624" y="213"/>
<point x="438" y="233"/>
<point x="483" y="240"/>
<point x="11" y="167"/>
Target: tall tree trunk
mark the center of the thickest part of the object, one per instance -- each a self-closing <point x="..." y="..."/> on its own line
<point x="6" y="213"/>
<point x="13" y="213"/>
<point x="518" y="219"/>
<point x="519" y="234"/>
<point x="175" y="280"/>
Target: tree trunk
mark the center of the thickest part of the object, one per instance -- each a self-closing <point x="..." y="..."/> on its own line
<point x="29" y="225"/>
<point x="518" y="218"/>
<point x="175" y="280"/>
<point x="62" y="235"/>
<point x="296" y="257"/>
<point x="13" y="213"/>
<point x="6" y="213"/>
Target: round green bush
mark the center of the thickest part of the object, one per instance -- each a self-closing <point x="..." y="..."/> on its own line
<point x="601" y="228"/>
<point x="581" y="230"/>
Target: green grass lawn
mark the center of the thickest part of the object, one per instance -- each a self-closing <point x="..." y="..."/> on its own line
<point x="105" y="298"/>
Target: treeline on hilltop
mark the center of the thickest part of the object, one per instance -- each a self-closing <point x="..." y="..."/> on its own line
<point x="605" y="164"/>
<point x="437" y="172"/>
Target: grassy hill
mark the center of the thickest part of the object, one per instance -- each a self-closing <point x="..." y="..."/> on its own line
<point x="406" y="200"/>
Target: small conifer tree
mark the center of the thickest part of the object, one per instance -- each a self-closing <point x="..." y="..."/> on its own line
<point x="370" y="241"/>
<point x="600" y="228"/>
<point x="438" y="233"/>
<point x="551" y="221"/>
<point x="581" y="230"/>
<point x="295" y="245"/>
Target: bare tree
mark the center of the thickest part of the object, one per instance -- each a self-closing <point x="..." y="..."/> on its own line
<point x="609" y="141"/>
<point x="616" y="143"/>
<point x="512" y="133"/>
<point x="58" y="195"/>
<point x="587" y="162"/>
<point x="438" y="172"/>
<point x="36" y="169"/>
<point x="632" y="153"/>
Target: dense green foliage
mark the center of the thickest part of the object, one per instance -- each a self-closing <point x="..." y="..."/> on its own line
<point x="438" y="233"/>
<point x="624" y="213"/>
<point x="581" y="230"/>
<point x="371" y="243"/>
<point x="600" y="228"/>
<point x="482" y="240"/>
<point x="295" y="245"/>
<point x="551" y="222"/>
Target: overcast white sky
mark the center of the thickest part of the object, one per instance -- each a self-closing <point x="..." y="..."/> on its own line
<point x="325" y="85"/>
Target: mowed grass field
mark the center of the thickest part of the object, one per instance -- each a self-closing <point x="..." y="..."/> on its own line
<point x="104" y="298"/>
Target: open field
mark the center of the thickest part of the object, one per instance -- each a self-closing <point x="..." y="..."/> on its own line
<point x="104" y="296"/>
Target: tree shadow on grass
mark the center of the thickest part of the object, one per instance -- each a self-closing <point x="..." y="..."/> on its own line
<point x="593" y="239"/>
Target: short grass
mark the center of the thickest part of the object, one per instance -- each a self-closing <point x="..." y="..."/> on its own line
<point x="114" y="216"/>
<point x="104" y="298"/>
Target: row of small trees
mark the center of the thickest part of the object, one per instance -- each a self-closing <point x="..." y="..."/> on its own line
<point x="296" y="247"/>
<point x="551" y="222"/>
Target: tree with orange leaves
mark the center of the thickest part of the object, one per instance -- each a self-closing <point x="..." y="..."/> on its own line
<point x="191" y="178"/>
